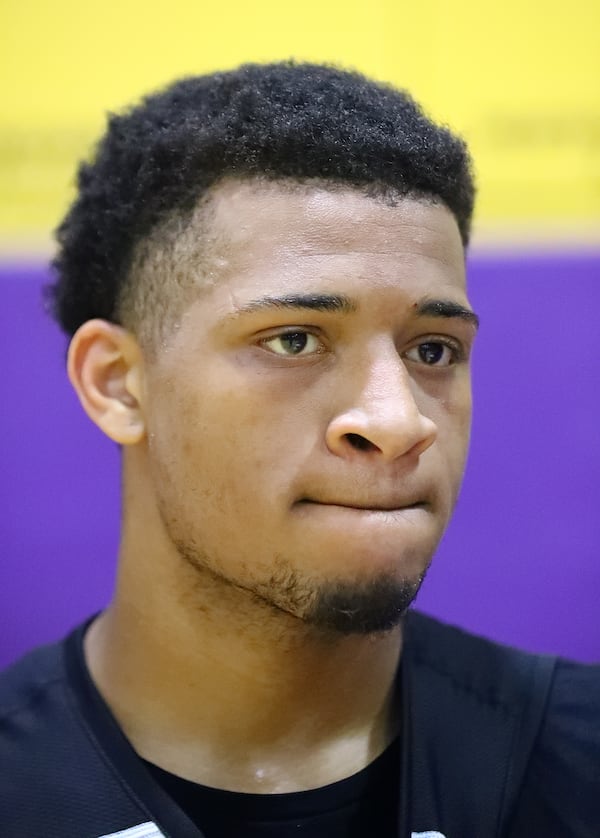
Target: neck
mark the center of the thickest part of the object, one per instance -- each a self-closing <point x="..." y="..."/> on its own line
<point x="220" y="688"/>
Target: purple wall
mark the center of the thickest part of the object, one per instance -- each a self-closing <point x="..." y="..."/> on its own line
<point x="520" y="562"/>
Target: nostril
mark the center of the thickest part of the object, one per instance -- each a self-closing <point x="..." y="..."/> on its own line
<point x="360" y="442"/>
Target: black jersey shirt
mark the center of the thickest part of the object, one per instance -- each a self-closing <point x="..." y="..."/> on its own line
<point x="366" y="803"/>
<point x="495" y="743"/>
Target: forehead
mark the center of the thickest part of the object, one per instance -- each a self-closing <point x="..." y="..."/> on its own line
<point x="251" y="239"/>
<point x="310" y="213"/>
<point x="314" y="229"/>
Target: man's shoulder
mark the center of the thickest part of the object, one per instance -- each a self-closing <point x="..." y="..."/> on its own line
<point x="470" y="669"/>
<point x="56" y="779"/>
<point x="34" y="712"/>
<point x="431" y="638"/>
<point x="500" y="718"/>
<point x="28" y="680"/>
<point x="36" y="737"/>
<point x="493" y="670"/>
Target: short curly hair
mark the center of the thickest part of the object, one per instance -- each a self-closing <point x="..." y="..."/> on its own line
<point x="282" y="121"/>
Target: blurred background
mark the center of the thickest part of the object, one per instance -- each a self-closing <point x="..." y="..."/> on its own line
<point x="521" y="82"/>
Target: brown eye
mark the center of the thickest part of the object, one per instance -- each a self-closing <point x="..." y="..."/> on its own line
<point x="432" y="353"/>
<point x="293" y="343"/>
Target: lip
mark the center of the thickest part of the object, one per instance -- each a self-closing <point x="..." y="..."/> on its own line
<point x="385" y="506"/>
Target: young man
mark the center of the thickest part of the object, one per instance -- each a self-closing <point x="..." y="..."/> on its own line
<point x="264" y="279"/>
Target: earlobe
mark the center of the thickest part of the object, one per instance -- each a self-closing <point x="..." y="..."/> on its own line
<point x="105" y="367"/>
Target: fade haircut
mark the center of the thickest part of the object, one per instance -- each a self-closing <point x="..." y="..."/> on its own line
<point x="123" y="254"/>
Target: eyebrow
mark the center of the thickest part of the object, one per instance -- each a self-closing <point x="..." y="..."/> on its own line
<point x="447" y="309"/>
<point x="314" y="302"/>
<point x="345" y="305"/>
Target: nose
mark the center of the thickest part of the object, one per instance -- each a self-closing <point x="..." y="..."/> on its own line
<point x="383" y="418"/>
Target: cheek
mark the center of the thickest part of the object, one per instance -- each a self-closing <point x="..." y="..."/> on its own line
<point x="215" y="449"/>
<point x="451" y="411"/>
<point x="449" y="403"/>
<point x="458" y="444"/>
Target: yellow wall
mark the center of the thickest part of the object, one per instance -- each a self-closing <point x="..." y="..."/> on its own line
<point x="520" y="80"/>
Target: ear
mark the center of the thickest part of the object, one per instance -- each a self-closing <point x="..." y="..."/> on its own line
<point x="105" y="367"/>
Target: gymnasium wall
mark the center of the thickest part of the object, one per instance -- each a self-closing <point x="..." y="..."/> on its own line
<point x="522" y="83"/>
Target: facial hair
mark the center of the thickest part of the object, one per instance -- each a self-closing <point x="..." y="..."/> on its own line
<point x="371" y="607"/>
<point x="343" y="607"/>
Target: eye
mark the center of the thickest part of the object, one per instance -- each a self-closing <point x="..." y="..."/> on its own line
<point x="434" y="353"/>
<point x="293" y="343"/>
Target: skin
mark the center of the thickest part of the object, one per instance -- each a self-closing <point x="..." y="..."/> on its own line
<point x="265" y="473"/>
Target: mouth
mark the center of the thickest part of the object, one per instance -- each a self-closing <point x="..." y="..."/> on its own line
<point x="380" y="506"/>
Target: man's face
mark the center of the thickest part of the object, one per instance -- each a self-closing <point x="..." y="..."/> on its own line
<point x="308" y="420"/>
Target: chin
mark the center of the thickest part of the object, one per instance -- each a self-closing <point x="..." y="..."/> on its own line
<point x="363" y="608"/>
